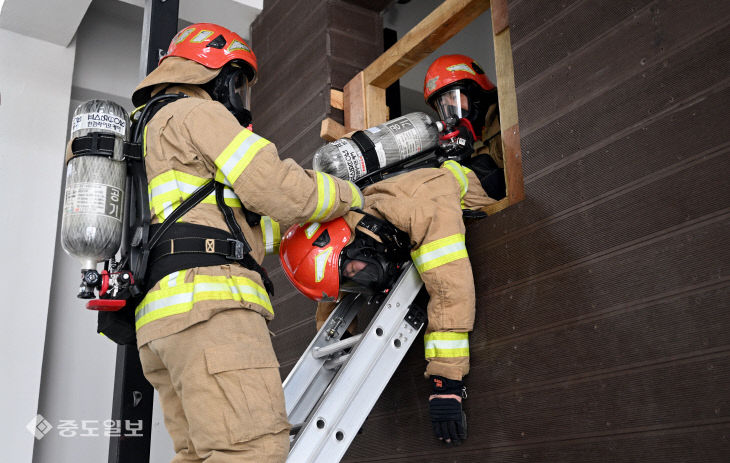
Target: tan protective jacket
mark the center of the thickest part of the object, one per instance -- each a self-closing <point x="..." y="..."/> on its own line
<point x="491" y="141"/>
<point x="195" y="139"/>
<point x="427" y="204"/>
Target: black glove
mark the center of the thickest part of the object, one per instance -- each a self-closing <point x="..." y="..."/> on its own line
<point x="444" y="405"/>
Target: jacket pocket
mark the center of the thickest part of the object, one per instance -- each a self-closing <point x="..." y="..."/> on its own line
<point x="248" y="374"/>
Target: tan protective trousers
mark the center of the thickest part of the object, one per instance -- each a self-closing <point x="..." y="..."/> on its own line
<point x="220" y="390"/>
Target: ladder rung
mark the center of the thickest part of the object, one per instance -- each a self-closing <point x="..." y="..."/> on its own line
<point x="320" y="352"/>
<point x="335" y="363"/>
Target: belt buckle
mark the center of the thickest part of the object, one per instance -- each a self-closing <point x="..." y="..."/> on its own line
<point x="236" y="250"/>
<point x="209" y="245"/>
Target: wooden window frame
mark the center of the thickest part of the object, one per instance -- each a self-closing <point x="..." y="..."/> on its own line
<point x="363" y="98"/>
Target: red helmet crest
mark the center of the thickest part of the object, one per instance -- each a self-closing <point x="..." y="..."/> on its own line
<point x="212" y="46"/>
<point x="310" y="256"/>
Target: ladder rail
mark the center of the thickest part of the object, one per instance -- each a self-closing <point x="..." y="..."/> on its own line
<point x="342" y="408"/>
<point x="309" y="378"/>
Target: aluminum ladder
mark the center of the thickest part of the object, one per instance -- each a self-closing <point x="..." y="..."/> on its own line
<point x="336" y="382"/>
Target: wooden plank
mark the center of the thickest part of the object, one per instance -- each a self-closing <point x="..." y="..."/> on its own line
<point x="678" y="395"/>
<point x="496" y="207"/>
<point x="354" y="103"/>
<point x="500" y="16"/>
<point x="332" y="130"/>
<point x="577" y="76"/>
<point x="336" y="99"/>
<point x="435" y="30"/>
<point x="513" y="164"/>
<point x="614" y="167"/>
<point x="550" y="43"/>
<point x="508" y="118"/>
<point x="614" y="246"/>
<point x="376" y="112"/>
<point x="505" y="79"/>
<point x="656" y="92"/>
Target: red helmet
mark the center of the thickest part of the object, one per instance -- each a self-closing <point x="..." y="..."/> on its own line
<point x="450" y="69"/>
<point x="310" y="255"/>
<point x="212" y="46"/>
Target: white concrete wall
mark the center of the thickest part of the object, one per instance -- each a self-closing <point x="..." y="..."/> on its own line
<point x="54" y="21"/>
<point x="35" y="89"/>
<point x="79" y="365"/>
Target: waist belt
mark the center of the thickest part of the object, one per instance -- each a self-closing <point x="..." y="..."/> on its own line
<point x="187" y="245"/>
<point x="179" y="246"/>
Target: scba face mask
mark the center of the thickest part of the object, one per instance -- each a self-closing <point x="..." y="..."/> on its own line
<point x="232" y="88"/>
<point x="365" y="266"/>
<point x="452" y="104"/>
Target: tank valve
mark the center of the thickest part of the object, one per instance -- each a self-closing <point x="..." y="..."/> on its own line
<point x="89" y="282"/>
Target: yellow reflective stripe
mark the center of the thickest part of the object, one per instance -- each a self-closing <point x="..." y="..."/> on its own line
<point x="326" y="195"/>
<point x="236" y="288"/>
<point x="439" y="252"/>
<point x="229" y="197"/>
<point x="446" y="344"/>
<point x="220" y="178"/>
<point x="173" y="279"/>
<point x="357" y="199"/>
<point x="456" y="169"/>
<point x="200" y="36"/>
<point x="238" y="154"/>
<point x="144" y="142"/>
<point x="170" y="188"/>
<point x="271" y="234"/>
<point x="177" y="299"/>
<point x="164" y="303"/>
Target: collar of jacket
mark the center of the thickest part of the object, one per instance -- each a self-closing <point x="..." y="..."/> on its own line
<point x="174" y="70"/>
<point x="491" y="122"/>
<point x="190" y="90"/>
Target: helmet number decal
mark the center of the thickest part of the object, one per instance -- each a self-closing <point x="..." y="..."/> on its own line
<point x="431" y="84"/>
<point x="311" y="230"/>
<point x="320" y="263"/>
<point x="236" y="45"/>
<point x="183" y="35"/>
<point x="461" y="67"/>
<point x="200" y="36"/>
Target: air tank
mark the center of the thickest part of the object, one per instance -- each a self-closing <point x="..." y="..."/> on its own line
<point x="393" y="141"/>
<point x="92" y="224"/>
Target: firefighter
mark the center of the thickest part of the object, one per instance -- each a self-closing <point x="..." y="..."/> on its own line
<point x="202" y="329"/>
<point x="457" y="87"/>
<point x="426" y="204"/>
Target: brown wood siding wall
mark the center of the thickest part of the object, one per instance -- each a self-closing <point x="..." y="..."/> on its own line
<point x="304" y="48"/>
<point x="603" y="326"/>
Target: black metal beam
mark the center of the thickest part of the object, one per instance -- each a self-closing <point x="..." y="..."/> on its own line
<point x="133" y="394"/>
<point x="392" y="93"/>
<point x="160" y="26"/>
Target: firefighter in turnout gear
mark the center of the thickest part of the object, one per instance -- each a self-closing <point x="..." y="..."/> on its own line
<point x="427" y="205"/>
<point x="457" y="87"/>
<point x="202" y="326"/>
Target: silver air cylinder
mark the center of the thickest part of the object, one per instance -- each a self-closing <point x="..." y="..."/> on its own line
<point x="393" y="141"/>
<point x="92" y="224"/>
